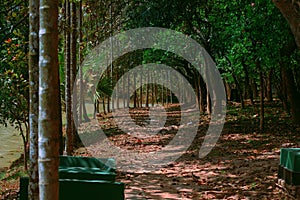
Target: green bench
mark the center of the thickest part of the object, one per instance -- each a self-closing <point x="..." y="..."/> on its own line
<point x="84" y="178"/>
<point x="85" y="168"/>
<point x="289" y="166"/>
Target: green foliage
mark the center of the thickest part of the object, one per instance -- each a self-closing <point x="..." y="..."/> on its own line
<point x="244" y="32"/>
<point x="13" y="66"/>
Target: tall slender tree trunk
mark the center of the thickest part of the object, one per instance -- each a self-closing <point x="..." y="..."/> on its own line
<point x="249" y="93"/>
<point x="118" y="89"/>
<point x="269" y="86"/>
<point x="128" y="90"/>
<point x="141" y="91"/>
<point x="147" y="88"/>
<point x="152" y="92"/>
<point x="85" y="116"/>
<point x="254" y="88"/>
<point x="238" y="86"/>
<point x="68" y="100"/>
<point x="33" y="191"/>
<point x="196" y="86"/>
<point x="103" y="105"/>
<point x="202" y="90"/>
<point x="49" y="120"/>
<point x="123" y="89"/>
<point x="262" y="107"/>
<point x="135" y="94"/>
<point x="293" y="94"/>
<point x="208" y="103"/>
<point x="156" y="93"/>
<point x="74" y="63"/>
<point x="283" y="89"/>
<point x="289" y="82"/>
<point x="81" y="102"/>
<point x="75" y="137"/>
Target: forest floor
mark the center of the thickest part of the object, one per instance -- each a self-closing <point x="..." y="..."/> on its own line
<point x="242" y="165"/>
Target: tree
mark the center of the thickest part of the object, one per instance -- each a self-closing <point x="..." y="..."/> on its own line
<point x="68" y="82"/>
<point x="34" y="98"/>
<point x="14" y="97"/>
<point x="49" y="116"/>
<point x="290" y="10"/>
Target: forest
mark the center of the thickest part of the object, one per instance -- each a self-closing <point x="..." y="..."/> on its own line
<point x="76" y="75"/>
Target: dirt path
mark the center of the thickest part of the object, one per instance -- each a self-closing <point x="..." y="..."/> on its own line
<point x="243" y="164"/>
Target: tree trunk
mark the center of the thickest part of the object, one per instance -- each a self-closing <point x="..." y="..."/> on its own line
<point x="262" y="112"/>
<point x="123" y="89"/>
<point x="291" y="87"/>
<point x="128" y="91"/>
<point x="103" y="104"/>
<point x="85" y="116"/>
<point x="141" y="91"/>
<point x="197" y="87"/>
<point x="74" y="62"/>
<point x="33" y="191"/>
<point x="147" y="88"/>
<point x="156" y="93"/>
<point x="117" y="89"/>
<point x="283" y="89"/>
<point x="135" y="94"/>
<point x="49" y="122"/>
<point x="208" y="103"/>
<point x="68" y="99"/>
<point x="248" y="90"/>
<point x="269" y="86"/>
<point x="254" y="88"/>
<point x="76" y="141"/>
<point x="202" y="93"/>
<point x="293" y="95"/>
<point x="238" y="86"/>
<point x="291" y="12"/>
<point x="80" y="62"/>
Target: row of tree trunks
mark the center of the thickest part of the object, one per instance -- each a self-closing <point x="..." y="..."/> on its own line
<point x="71" y="36"/>
<point x="290" y="9"/>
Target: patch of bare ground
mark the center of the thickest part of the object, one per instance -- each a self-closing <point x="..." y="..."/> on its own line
<point x="242" y="165"/>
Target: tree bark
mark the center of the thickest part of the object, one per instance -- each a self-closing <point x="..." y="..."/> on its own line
<point x="238" y="86"/>
<point x="81" y="102"/>
<point x="135" y="93"/>
<point x="147" y="88"/>
<point x="141" y="91"/>
<point x="75" y="137"/>
<point x="248" y="90"/>
<point x="262" y="107"/>
<point x="68" y="99"/>
<point x="269" y="86"/>
<point x="208" y="103"/>
<point x="283" y="90"/>
<point x="33" y="191"/>
<point x="49" y="120"/>
<point x="290" y="9"/>
<point x="293" y="94"/>
<point x="202" y="93"/>
<point x="291" y="88"/>
<point x="74" y="62"/>
<point x="254" y="88"/>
